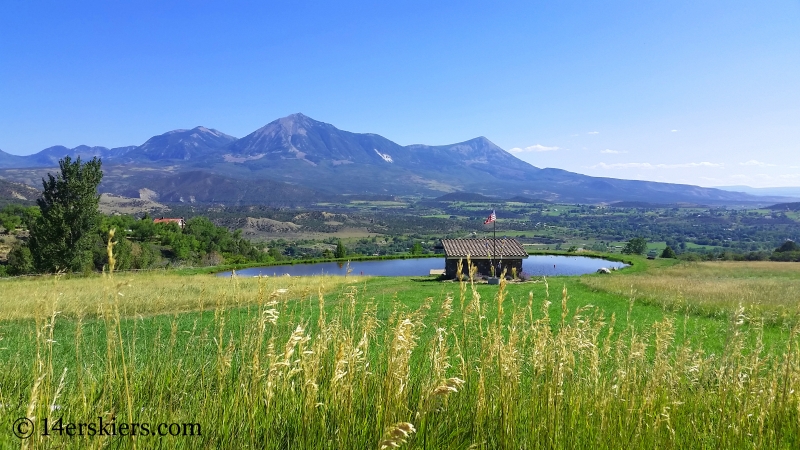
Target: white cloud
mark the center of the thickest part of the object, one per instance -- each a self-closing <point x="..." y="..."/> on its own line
<point x="753" y="162"/>
<point x="673" y="131"/>
<point x="608" y="151"/>
<point x="593" y="132"/>
<point x="534" y="148"/>
<point x="654" y="166"/>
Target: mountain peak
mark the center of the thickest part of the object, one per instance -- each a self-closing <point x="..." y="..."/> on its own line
<point x="216" y="133"/>
<point x="297" y="116"/>
<point x="297" y="121"/>
<point x="481" y="141"/>
<point x="183" y="144"/>
<point x="305" y="152"/>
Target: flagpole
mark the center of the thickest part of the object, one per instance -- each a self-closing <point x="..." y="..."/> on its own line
<point x="494" y="237"/>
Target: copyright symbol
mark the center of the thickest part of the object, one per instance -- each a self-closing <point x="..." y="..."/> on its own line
<point x="23" y="428"/>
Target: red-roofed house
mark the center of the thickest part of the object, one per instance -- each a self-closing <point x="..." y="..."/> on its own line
<point x="181" y="223"/>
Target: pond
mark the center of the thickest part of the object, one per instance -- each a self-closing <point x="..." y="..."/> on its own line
<point x="534" y="265"/>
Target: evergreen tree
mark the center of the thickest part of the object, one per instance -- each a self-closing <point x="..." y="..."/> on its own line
<point x="668" y="253"/>
<point x="63" y="236"/>
<point x="341" y="251"/>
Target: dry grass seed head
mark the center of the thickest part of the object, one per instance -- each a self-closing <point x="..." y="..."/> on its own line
<point x="397" y="435"/>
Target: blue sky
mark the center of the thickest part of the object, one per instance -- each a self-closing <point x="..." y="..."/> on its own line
<point x="700" y="92"/>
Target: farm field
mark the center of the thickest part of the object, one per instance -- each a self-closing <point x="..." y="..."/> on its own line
<point x="290" y="362"/>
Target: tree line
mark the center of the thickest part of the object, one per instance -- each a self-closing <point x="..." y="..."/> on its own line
<point x="67" y="232"/>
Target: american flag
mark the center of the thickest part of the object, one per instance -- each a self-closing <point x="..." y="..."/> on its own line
<point x="492" y="217"/>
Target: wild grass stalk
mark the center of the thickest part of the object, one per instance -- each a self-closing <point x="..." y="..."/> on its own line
<point x="269" y="368"/>
<point x="768" y="290"/>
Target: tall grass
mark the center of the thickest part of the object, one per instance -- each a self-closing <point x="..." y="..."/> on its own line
<point x="345" y="370"/>
<point x="146" y="293"/>
<point x="767" y="291"/>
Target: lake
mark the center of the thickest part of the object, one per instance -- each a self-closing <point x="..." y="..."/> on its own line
<point x="534" y="265"/>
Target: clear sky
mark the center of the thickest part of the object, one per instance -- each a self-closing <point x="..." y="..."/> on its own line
<point x="700" y="92"/>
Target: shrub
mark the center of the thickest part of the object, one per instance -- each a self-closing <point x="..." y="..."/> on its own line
<point x="692" y="257"/>
<point x="20" y="261"/>
<point x="635" y="246"/>
<point x="786" y="256"/>
<point x="788" y="246"/>
<point x="668" y="253"/>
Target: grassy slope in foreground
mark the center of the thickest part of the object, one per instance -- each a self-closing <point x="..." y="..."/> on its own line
<point x="758" y="290"/>
<point x="519" y="367"/>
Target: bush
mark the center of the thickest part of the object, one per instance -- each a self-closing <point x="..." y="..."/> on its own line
<point x="756" y="256"/>
<point x="212" y="259"/>
<point x="788" y="246"/>
<point x="20" y="261"/>
<point x="144" y="256"/>
<point x="692" y="257"/>
<point x="786" y="256"/>
<point x="635" y="246"/>
<point x="668" y="253"/>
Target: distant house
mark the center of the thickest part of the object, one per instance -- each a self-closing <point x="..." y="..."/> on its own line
<point x="509" y="255"/>
<point x="181" y="223"/>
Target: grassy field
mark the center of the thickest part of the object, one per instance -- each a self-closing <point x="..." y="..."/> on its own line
<point x="768" y="291"/>
<point x="402" y="362"/>
<point x="144" y="294"/>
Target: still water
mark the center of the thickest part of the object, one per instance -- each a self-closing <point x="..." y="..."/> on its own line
<point x="538" y="265"/>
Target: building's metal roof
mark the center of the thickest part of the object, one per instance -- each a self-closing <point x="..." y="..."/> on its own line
<point x="482" y="248"/>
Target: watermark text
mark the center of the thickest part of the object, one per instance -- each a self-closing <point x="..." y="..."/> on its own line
<point x="24" y="428"/>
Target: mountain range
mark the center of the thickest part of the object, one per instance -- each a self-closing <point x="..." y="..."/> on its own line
<point x="297" y="159"/>
<point x="774" y="191"/>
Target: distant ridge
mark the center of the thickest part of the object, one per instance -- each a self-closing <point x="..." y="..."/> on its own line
<point x="770" y="191"/>
<point x="17" y="193"/>
<point x="372" y="198"/>
<point x="207" y="188"/>
<point x="183" y="145"/>
<point x="521" y="199"/>
<point x="640" y="205"/>
<point x="795" y="206"/>
<point x="465" y="197"/>
<point x="470" y="197"/>
<point x="315" y="157"/>
<point x="177" y="145"/>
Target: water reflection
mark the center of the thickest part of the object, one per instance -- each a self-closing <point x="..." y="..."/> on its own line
<point x="534" y="265"/>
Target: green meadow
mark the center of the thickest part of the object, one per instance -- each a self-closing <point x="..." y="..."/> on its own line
<point x="659" y="355"/>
